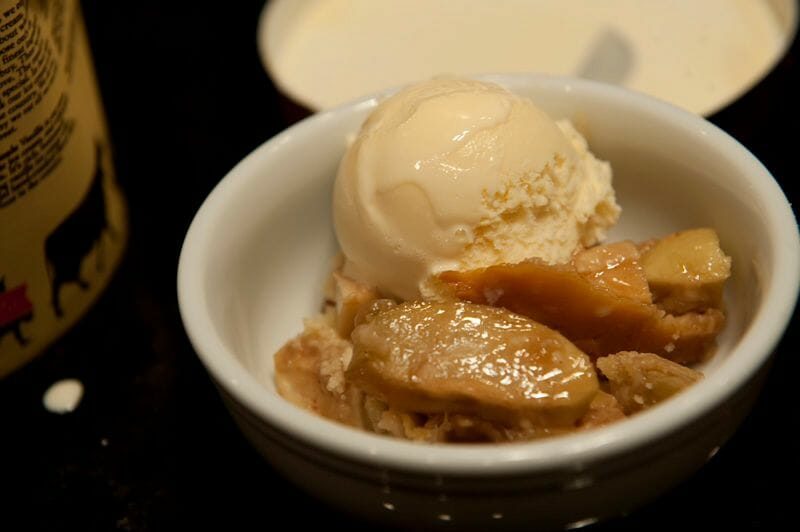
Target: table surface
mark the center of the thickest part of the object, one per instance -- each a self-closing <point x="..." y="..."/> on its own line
<point x="151" y="447"/>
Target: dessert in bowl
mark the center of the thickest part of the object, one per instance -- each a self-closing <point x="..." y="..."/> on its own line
<point x="257" y="256"/>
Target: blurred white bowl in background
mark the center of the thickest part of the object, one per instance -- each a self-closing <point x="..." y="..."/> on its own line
<point x="701" y="56"/>
<point x="257" y="254"/>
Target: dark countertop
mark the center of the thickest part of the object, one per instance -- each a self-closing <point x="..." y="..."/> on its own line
<point x="151" y="447"/>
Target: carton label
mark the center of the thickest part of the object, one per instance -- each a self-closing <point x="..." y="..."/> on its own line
<point x="62" y="216"/>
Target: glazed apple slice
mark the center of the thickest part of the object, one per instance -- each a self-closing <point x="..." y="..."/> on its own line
<point x="615" y="267"/>
<point x="686" y="271"/>
<point x="592" y="315"/>
<point x="461" y="358"/>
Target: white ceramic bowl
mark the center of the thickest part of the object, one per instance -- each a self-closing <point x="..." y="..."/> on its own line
<point x="257" y="253"/>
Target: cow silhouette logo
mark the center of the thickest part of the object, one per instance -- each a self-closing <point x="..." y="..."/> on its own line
<point x="76" y="236"/>
<point x="15" y="308"/>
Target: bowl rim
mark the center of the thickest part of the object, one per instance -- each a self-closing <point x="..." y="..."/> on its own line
<point x="743" y="362"/>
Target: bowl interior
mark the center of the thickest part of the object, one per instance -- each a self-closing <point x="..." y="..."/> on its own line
<point x="259" y="251"/>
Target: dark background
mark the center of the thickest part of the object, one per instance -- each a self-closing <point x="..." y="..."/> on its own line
<point x="186" y="98"/>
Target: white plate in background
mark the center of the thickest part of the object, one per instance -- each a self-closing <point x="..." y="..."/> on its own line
<point x="698" y="55"/>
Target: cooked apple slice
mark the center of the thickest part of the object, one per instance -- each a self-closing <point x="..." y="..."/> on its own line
<point x="593" y="317"/>
<point x="615" y="267"/>
<point x="686" y="271"/>
<point x="461" y="358"/>
<point x="641" y="380"/>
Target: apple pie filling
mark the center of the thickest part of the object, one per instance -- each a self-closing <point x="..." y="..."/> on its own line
<point x="514" y="351"/>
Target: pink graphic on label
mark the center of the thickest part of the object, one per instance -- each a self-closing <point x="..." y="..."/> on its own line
<point x="15" y="308"/>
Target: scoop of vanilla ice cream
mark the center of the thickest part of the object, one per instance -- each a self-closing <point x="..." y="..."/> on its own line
<point x="459" y="174"/>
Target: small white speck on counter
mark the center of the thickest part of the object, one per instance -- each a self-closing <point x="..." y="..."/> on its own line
<point x="575" y="525"/>
<point x="63" y="396"/>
